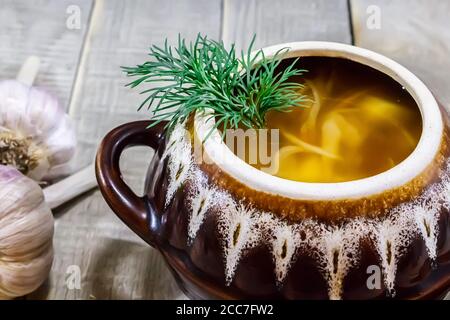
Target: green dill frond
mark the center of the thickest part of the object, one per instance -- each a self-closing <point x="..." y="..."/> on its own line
<point x="203" y="75"/>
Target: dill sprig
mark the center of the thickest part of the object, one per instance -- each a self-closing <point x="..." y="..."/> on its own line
<point x="203" y="76"/>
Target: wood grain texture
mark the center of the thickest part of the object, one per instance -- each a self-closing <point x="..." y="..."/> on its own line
<point x="415" y="33"/>
<point x="114" y="262"/>
<point x="281" y="21"/>
<point x="39" y="28"/>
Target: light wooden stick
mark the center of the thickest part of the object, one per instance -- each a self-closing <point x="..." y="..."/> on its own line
<point x="29" y="70"/>
<point x="70" y="187"/>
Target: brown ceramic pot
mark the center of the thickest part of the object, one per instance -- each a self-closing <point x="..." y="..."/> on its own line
<point x="230" y="231"/>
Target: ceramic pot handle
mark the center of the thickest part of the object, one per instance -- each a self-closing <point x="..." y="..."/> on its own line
<point x="130" y="208"/>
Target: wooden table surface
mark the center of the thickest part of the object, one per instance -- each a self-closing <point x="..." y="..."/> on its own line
<point x="80" y="64"/>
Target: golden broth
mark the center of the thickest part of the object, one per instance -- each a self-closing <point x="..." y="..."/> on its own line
<point x="359" y="123"/>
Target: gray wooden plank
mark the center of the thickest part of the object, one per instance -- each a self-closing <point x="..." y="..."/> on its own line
<point x="282" y="21"/>
<point x="113" y="261"/>
<point x="415" y="33"/>
<point x="40" y="28"/>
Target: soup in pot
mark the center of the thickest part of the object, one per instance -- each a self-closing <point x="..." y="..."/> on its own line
<point x="356" y="123"/>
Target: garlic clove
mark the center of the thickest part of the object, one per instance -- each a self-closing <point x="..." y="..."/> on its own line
<point x="61" y="142"/>
<point x="58" y="171"/>
<point x="32" y="119"/>
<point x="26" y="234"/>
<point x="40" y="171"/>
<point x="13" y="99"/>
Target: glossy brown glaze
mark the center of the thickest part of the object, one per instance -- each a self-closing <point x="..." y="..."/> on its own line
<point x="198" y="265"/>
<point x="130" y="208"/>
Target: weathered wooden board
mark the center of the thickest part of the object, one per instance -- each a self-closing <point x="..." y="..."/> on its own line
<point x="415" y="33"/>
<point x="282" y="21"/>
<point x="48" y="29"/>
<point x="114" y="262"/>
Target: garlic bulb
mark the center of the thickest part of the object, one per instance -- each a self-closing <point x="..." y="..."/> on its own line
<point x="26" y="233"/>
<point x="35" y="133"/>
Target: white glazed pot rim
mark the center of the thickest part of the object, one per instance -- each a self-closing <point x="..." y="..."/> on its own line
<point x="424" y="153"/>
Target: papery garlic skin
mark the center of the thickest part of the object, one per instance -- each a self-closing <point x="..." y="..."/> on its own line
<point x="26" y="234"/>
<point x="33" y="116"/>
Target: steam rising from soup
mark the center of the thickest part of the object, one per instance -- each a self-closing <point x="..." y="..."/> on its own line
<point x="358" y="123"/>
